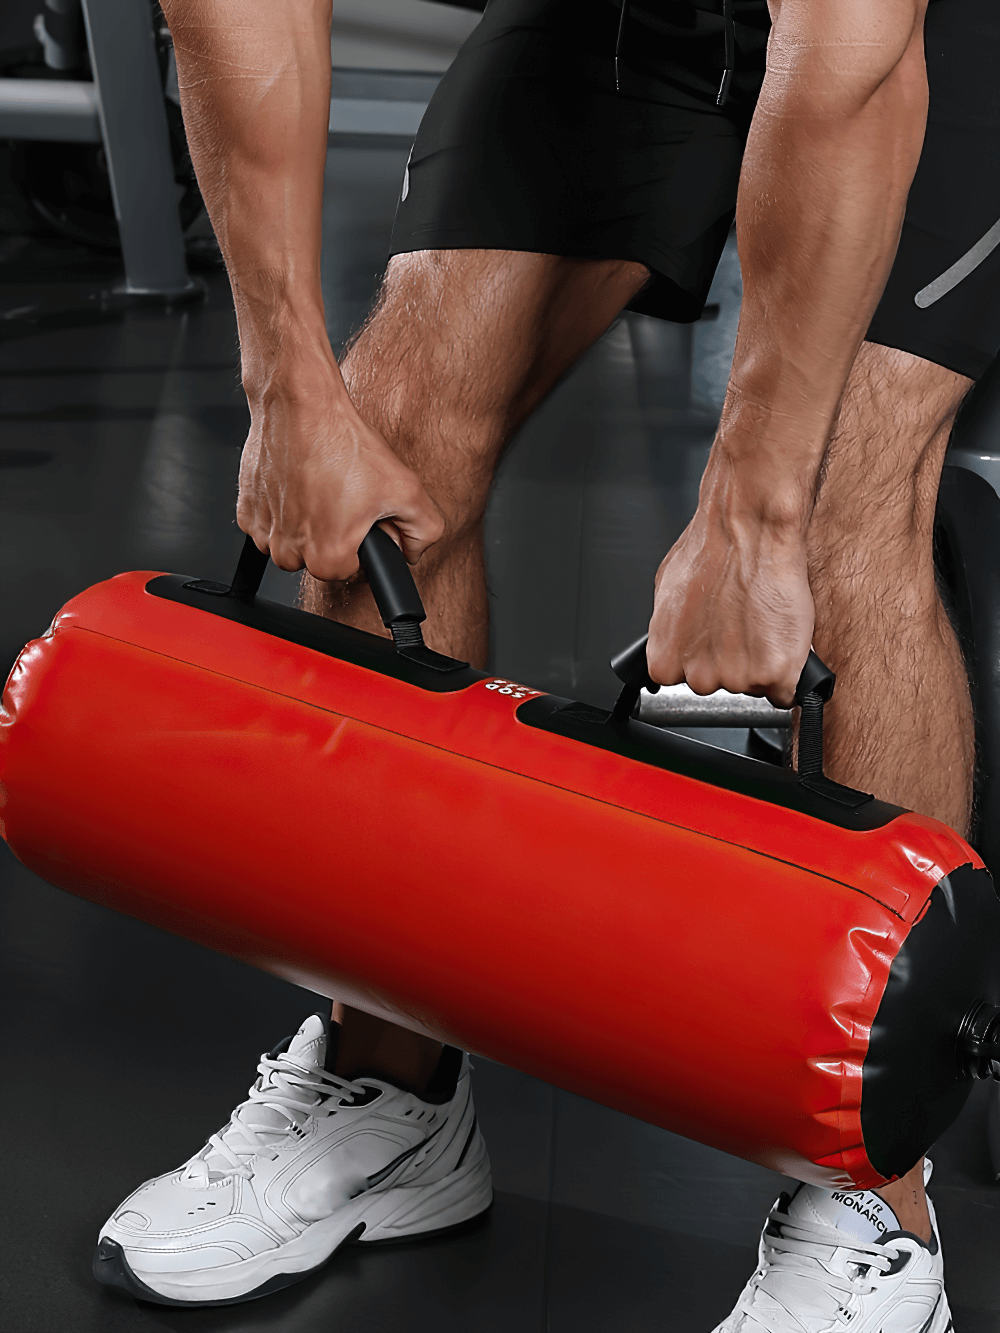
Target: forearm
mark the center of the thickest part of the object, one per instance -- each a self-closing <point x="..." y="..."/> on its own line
<point x="831" y="154"/>
<point x="255" y="91"/>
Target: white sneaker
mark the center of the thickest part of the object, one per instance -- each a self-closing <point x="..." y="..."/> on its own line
<point x="829" y="1262"/>
<point x="310" y="1162"/>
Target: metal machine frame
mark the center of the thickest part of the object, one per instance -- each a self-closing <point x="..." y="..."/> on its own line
<point x="123" y="109"/>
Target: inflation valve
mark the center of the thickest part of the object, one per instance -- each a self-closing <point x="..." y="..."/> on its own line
<point x="979" y="1041"/>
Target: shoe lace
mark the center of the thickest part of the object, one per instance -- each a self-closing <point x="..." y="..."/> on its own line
<point x="291" y="1093"/>
<point x="836" y="1268"/>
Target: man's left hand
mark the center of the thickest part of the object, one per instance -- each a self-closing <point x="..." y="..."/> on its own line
<point x="733" y="609"/>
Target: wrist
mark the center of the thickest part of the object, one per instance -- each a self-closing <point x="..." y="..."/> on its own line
<point x="765" y="464"/>
<point x="298" y="372"/>
<point x="757" y="490"/>
<point x="284" y="346"/>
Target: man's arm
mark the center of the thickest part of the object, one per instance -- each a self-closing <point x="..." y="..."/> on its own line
<point x="832" y="150"/>
<point x="255" y="92"/>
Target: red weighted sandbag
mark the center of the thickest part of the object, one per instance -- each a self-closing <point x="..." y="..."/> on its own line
<point x="767" y="963"/>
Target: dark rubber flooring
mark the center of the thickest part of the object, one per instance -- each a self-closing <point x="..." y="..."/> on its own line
<point x="124" y="1047"/>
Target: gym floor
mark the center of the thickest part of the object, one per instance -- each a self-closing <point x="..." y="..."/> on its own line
<point x="126" y="1047"/>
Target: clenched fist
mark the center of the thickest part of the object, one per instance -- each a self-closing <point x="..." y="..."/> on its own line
<point x="732" y="608"/>
<point x="314" y="478"/>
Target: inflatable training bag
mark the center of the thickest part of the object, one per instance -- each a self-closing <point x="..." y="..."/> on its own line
<point x="756" y="958"/>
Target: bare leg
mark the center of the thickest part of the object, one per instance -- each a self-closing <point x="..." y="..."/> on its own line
<point x="461" y="347"/>
<point x="900" y="723"/>
<point x="371" y="1045"/>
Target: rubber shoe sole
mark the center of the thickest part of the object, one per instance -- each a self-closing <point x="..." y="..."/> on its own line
<point x="391" y="1217"/>
<point x="112" y="1270"/>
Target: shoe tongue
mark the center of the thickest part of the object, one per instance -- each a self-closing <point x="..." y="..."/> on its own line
<point x="860" y="1214"/>
<point x="308" y="1046"/>
<point x="307" y="1050"/>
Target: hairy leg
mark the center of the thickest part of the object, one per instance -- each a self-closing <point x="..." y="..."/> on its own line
<point x="900" y="722"/>
<point x="460" y="348"/>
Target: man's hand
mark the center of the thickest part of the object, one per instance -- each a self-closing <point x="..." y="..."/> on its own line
<point x="732" y="609"/>
<point x="832" y="149"/>
<point x="255" y="91"/>
<point x="314" y="478"/>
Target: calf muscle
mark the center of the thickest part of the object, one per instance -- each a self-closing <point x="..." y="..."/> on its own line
<point x="900" y="723"/>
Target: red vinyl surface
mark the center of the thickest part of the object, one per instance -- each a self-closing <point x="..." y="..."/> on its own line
<point x="700" y="959"/>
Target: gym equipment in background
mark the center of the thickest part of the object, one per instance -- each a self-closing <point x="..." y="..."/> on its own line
<point x="759" y="959"/>
<point x="68" y="185"/>
<point x="106" y="158"/>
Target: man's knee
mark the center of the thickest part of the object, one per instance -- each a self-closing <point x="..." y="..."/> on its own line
<point x="413" y="375"/>
<point x="404" y="369"/>
<point x="919" y="395"/>
<point x="435" y="343"/>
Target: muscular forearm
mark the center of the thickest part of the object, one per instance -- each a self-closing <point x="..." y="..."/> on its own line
<point x="831" y="154"/>
<point x="832" y="151"/>
<point x="254" y="77"/>
<point x="255" y="90"/>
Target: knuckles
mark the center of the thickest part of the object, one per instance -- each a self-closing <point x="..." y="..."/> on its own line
<point x="771" y="676"/>
<point x="665" y="666"/>
<point x="284" y="555"/>
<point x="704" y="678"/>
<point x="331" y="564"/>
<point x="248" y="520"/>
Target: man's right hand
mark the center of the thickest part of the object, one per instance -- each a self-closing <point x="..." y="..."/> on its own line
<point x="254" y="83"/>
<point x="314" y="478"/>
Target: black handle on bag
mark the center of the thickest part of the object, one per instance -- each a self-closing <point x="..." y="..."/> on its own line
<point x="631" y="666"/>
<point x="813" y="691"/>
<point x="384" y="564"/>
<point x="392" y="586"/>
<point x="398" y="601"/>
<point x="249" y="572"/>
<point x="632" y="670"/>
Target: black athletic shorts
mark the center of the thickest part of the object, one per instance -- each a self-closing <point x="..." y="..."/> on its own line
<point x="531" y="143"/>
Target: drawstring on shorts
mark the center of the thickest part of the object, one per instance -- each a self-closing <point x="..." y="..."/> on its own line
<point x="722" y="96"/>
<point x="729" y="38"/>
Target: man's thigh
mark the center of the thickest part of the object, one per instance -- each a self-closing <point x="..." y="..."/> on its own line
<point x="535" y="141"/>
<point x="539" y="199"/>
<point x="463" y="344"/>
